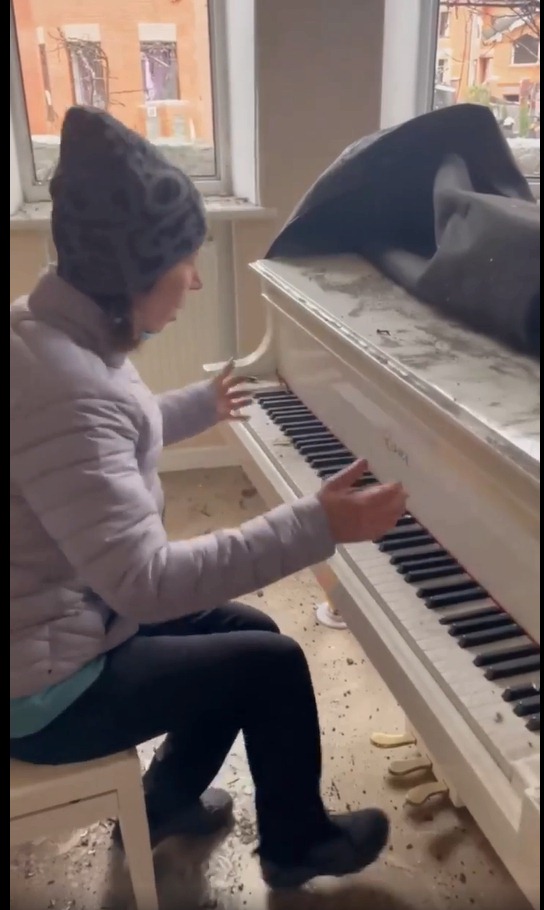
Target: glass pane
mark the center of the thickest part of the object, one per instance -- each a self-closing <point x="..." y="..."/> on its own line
<point x="490" y="54"/>
<point x="147" y="63"/>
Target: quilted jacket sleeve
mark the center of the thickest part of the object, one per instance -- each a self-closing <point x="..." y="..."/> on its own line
<point x="187" y="412"/>
<point x="84" y="485"/>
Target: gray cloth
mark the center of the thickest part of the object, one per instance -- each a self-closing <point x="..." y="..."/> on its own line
<point x="440" y="207"/>
<point x="122" y="214"/>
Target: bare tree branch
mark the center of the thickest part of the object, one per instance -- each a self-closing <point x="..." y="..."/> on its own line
<point x="528" y="11"/>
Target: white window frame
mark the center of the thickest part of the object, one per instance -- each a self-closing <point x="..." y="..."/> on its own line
<point x="220" y="184"/>
<point x="409" y="59"/>
<point x="409" y="54"/>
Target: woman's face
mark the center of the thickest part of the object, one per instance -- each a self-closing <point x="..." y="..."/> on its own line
<point x="154" y="310"/>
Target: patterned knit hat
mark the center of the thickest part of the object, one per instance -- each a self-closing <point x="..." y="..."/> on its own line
<point x="122" y="214"/>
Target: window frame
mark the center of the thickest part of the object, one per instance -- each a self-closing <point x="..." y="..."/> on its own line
<point x="172" y="46"/>
<point x="408" y="72"/>
<point x="72" y="47"/>
<point x="218" y="185"/>
<point x="514" y="46"/>
<point x="444" y="33"/>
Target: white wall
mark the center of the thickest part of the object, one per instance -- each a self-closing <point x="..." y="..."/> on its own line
<point x="318" y="77"/>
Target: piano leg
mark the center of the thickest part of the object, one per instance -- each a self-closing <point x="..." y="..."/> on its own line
<point x="326" y="614"/>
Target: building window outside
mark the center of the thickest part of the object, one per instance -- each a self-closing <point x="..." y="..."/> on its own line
<point x="159" y="70"/>
<point x="44" y="68"/>
<point x="475" y="61"/>
<point x="88" y="72"/>
<point x="441" y="70"/>
<point x="129" y="67"/>
<point x="443" y="23"/>
<point x="526" y="51"/>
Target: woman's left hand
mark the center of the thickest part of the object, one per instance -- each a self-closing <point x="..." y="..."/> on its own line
<point x="230" y="398"/>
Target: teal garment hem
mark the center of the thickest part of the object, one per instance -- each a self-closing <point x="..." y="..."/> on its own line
<point x="32" y="713"/>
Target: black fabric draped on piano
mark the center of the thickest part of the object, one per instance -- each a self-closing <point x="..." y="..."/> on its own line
<point x="439" y="205"/>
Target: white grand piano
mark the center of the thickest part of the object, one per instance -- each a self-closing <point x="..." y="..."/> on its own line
<point x="447" y="605"/>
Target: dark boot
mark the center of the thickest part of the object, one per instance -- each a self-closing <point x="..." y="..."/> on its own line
<point x="359" y="839"/>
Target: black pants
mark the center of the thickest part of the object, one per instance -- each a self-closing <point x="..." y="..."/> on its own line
<point x="202" y="679"/>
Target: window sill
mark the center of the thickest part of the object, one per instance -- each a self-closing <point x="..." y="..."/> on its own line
<point x="35" y="216"/>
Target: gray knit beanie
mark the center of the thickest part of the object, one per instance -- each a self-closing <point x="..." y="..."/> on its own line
<point x="122" y="214"/>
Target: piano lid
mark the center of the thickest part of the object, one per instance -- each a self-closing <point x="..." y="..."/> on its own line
<point x="495" y="393"/>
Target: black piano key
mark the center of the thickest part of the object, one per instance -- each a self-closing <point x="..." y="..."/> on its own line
<point x="365" y="481"/>
<point x="514" y="693"/>
<point x="312" y="431"/>
<point x="424" y="563"/>
<point x="453" y="587"/>
<point x="479" y="624"/>
<point x="506" y="654"/>
<point x="403" y="533"/>
<point x="278" y="401"/>
<point x="405" y="558"/>
<point x="324" y="473"/>
<point x="299" y="422"/>
<point x="533" y="724"/>
<point x="274" y="395"/>
<point x="286" y="402"/>
<point x="287" y="408"/>
<point x="473" y="639"/>
<point x="528" y="706"/>
<point x="513" y="667"/>
<point x="290" y="417"/>
<point x="413" y="577"/>
<point x="436" y="601"/>
<point x="318" y="448"/>
<point x="470" y="614"/>
<point x="331" y="461"/>
<point x="391" y="546"/>
<point x="405" y="521"/>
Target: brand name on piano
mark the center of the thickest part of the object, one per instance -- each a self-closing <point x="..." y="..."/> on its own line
<point x="395" y="449"/>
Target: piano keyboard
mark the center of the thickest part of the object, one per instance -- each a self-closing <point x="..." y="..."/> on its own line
<point x="488" y="665"/>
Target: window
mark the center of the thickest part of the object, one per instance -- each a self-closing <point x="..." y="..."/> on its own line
<point x="159" y="70"/>
<point x="478" y="48"/>
<point x="526" y="51"/>
<point x="441" y="70"/>
<point x="44" y="69"/>
<point x="88" y="73"/>
<point x="164" y="77"/>
<point x="481" y="44"/>
<point x="443" y="23"/>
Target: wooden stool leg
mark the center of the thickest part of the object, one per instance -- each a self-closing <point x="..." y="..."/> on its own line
<point x="136" y="843"/>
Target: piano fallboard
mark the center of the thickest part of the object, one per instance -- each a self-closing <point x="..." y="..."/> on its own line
<point x="452" y="415"/>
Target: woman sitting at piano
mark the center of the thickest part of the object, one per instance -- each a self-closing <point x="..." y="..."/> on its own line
<point x="117" y="635"/>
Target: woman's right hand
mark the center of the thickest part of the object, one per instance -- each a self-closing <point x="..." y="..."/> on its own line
<point x="356" y="515"/>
